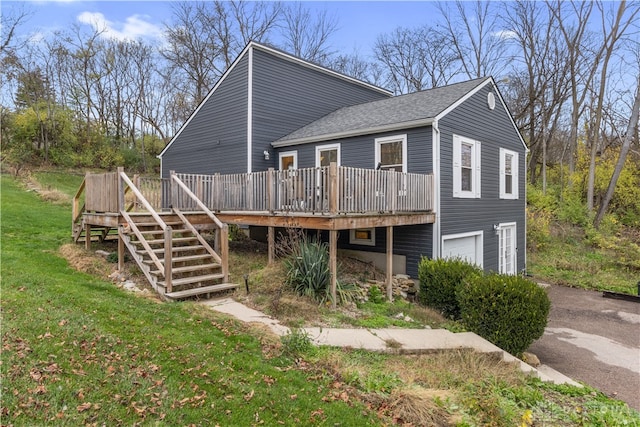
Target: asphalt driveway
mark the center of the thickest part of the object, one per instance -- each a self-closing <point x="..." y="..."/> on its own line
<point x="595" y="340"/>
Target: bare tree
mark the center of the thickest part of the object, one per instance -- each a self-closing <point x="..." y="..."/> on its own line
<point x="10" y="21"/>
<point x="471" y="29"/>
<point x="612" y="33"/>
<point x="632" y="131"/>
<point x="192" y="48"/>
<point x="355" y="66"/>
<point x="306" y="34"/>
<point x="539" y="77"/>
<point x="416" y="59"/>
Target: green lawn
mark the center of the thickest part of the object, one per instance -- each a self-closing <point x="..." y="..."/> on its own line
<point x="78" y="350"/>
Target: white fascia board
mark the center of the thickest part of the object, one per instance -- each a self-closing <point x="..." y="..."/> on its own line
<point x="206" y="98"/>
<point x="320" y="68"/>
<point x="350" y="133"/>
<point x="488" y="80"/>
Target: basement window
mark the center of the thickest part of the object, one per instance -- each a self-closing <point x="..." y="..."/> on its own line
<point x="362" y="236"/>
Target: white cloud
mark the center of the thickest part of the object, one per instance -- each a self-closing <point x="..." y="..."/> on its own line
<point x="505" y="34"/>
<point x="135" y="26"/>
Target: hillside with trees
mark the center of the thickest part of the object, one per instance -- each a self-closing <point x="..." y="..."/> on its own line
<point x="568" y="70"/>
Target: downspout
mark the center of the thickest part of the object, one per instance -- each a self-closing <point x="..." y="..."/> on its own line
<point x="250" y="111"/>
<point x="436" y="190"/>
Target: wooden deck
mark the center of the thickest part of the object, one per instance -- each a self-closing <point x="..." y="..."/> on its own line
<point x="331" y="198"/>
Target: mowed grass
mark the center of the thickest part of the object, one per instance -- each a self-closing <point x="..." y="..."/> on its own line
<point x="77" y="350"/>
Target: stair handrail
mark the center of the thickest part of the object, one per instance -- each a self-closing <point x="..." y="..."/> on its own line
<point x="77" y="211"/>
<point x="167" y="267"/>
<point x="132" y="225"/>
<point x="223" y="240"/>
<point x="141" y="198"/>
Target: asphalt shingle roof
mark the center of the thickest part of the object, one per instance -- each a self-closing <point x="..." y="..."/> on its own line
<point x="396" y="110"/>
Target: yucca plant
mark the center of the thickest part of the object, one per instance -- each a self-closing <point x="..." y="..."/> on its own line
<point x="308" y="269"/>
<point x="308" y="273"/>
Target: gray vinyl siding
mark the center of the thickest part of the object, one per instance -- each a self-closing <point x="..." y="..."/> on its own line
<point x="288" y="95"/>
<point x="215" y="140"/>
<point x="359" y="151"/>
<point x="413" y="241"/>
<point x="494" y="130"/>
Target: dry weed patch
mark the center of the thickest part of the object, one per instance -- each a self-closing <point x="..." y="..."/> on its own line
<point x="87" y="262"/>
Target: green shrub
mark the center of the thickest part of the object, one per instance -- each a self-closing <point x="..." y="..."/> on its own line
<point x="509" y="311"/>
<point x="439" y="281"/>
<point x="297" y="343"/>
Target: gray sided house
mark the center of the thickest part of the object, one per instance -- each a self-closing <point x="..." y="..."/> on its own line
<point x="272" y="110"/>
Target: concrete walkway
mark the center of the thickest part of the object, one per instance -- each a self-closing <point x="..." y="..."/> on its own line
<point x="402" y="341"/>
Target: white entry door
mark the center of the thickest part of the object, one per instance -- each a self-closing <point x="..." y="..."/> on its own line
<point x="507" y="249"/>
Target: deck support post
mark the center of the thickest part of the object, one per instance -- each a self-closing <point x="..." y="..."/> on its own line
<point x="272" y="243"/>
<point x="224" y="251"/>
<point x="333" y="265"/>
<point x="87" y="236"/>
<point x="120" y="248"/>
<point x="390" y="263"/>
<point x="168" y="259"/>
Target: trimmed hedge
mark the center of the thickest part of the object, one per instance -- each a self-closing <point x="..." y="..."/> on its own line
<point x="439" y="281"/>
<point x="509" y="311"/>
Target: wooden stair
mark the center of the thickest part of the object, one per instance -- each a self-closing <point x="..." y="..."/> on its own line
<point x="98" y="233"/>
<point x="196" y="269"/>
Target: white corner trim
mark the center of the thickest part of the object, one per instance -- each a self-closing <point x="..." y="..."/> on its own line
<point x="250" y="112"/>
<point x="436" y="251"/>
<point x="206" y="98"/>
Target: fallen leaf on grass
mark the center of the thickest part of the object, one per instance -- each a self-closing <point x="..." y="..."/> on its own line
<point x="249" y="395"/>
<point x="85" y="406"/>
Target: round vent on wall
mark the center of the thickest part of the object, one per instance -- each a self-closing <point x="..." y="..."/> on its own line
<point x="491" y="100"/>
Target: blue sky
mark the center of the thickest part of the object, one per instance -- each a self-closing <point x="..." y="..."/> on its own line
<point x="360" y="22"/>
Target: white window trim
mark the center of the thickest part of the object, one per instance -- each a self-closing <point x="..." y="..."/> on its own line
<point x="386" y="140"/>
<point x="367" y="242"/>
<point x="476" y="181"/>
<point x="287" y="154"/>
<point x="479" y="243"/>
<point x="514" y="174"/>
<point x="327" y="147"/>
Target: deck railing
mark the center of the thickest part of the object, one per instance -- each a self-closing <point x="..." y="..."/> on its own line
<point x="326" y="190"/>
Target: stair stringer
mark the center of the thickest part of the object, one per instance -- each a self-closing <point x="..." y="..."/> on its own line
<point x="146" y="269"/>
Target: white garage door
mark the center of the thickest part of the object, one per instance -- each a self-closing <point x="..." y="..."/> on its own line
<point x="466" y="246"/>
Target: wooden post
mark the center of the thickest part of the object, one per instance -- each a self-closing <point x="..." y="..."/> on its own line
<point x="270" y="191"/>
<point x="272" y="243"/>
<point x="168" y="259"/>
<point x="216" y="189"/>
<point x="390" y="263"/>
<point x="224" y="252"/>
<point x="174" y="191"/>
<point x="333" y="265"/>
<point x="121" y="204"/>
<point x="333" y="188"/>
<point x="87" y="236"/>
<point x="120" y="248"/>
<point x="394" y="192"/>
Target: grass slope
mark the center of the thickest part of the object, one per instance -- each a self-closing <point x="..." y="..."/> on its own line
<point x="77" y="350"/>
